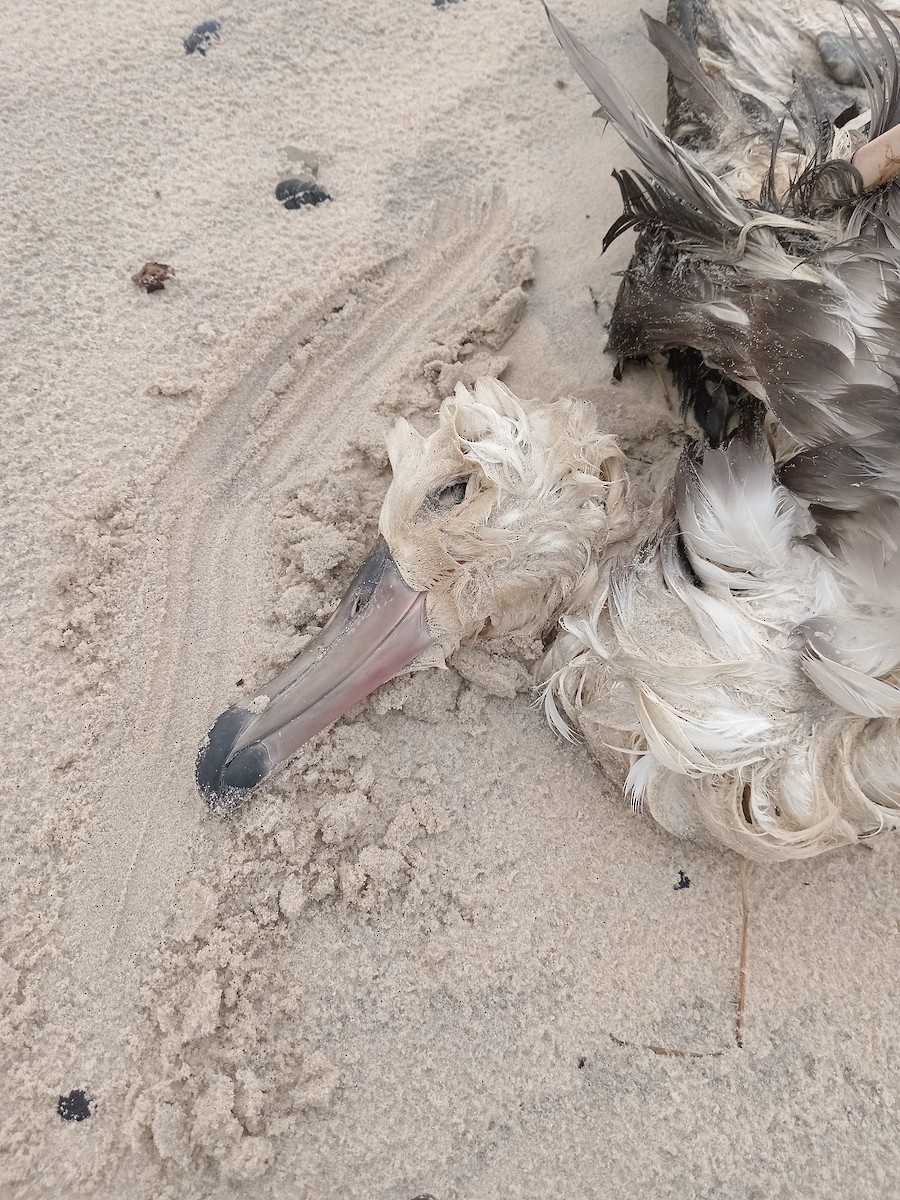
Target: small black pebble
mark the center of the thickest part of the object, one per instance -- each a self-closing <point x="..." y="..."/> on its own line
<point x="297" y="193"/>
<point x="581" y="1062"/>
<point x="74" y="1107"/>
<point x="201" y="36"/>
<point x="683" y="881"/>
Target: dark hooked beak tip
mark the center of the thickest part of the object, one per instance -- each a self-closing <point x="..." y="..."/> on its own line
<point x="224" y="783"/>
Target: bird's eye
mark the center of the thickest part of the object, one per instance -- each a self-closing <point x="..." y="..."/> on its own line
<point x="444" y="499"/>
<point x="451" y="494"/>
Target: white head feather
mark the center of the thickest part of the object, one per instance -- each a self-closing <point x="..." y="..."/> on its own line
<point x="499" y="512"/>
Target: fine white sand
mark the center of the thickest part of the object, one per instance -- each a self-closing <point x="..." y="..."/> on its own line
<point x="429" y="958"/>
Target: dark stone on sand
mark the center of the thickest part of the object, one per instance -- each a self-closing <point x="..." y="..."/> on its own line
<point x="299" y="193"/>
<point x="74" y="1107"/>
<point x="839" y="58"/>
<point x="152" y="276"/>
<point x="201" y="36"/>
<point x="683" y="881"/>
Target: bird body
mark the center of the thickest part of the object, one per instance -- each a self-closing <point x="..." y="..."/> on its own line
<point x="739" y="667"/>
<point x="741" y="674"/>
<point x="771" y="724"/>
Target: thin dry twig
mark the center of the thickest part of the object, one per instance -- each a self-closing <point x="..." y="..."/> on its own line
<point x="665" y="1052"/>
<point x="740" y="999"/>
<point x="742" y="960"/>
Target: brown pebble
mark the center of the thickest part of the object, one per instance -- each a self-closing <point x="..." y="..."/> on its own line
<point x="152" y="276"/>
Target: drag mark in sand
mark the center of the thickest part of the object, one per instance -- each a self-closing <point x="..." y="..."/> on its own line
<point x="204" y="581"/>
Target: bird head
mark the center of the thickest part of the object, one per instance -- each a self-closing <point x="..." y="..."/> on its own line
<point x="489" y="525"/>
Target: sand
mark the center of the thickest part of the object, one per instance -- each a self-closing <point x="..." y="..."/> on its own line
<point x="429" y="958"/>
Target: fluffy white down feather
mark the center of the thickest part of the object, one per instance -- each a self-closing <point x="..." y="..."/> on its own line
<point x="743" y="679"/>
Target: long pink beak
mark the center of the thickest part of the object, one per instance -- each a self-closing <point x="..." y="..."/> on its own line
<point x="378" y="629"/>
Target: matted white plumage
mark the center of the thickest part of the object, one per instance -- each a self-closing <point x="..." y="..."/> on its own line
<point x="740" y="668"/>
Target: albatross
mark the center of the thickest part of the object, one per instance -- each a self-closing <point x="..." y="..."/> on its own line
<point x="739" y="668"/>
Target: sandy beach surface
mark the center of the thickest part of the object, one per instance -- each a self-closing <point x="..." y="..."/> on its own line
<point x="431" y="957"/>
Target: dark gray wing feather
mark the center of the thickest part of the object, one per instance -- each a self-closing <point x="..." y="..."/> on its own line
<point x="675" y="168"/>
<point x="820" y="342"/>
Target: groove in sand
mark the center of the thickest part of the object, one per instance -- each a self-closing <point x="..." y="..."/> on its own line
<point x="203" y="572"/>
